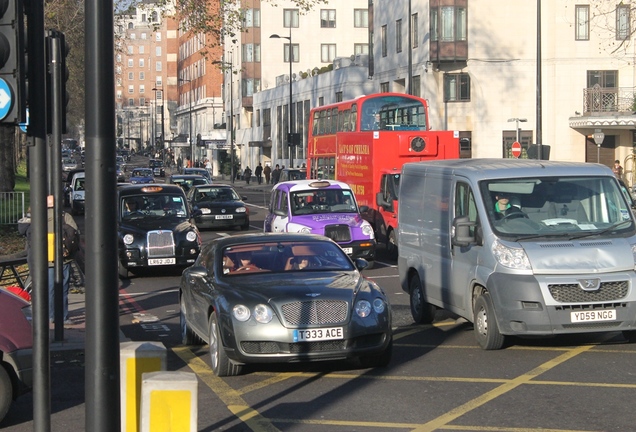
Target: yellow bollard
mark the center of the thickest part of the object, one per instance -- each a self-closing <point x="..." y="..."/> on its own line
<point x="169" y="402"/>
<point x="137" y="358"/>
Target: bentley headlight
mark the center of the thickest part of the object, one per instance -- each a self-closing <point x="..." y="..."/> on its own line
<point x="263" y="313"/>
<point x="128" y="239"/>
<point x="378" y="305"/>
<point x="241" y="312"/>
<point x="363" y="308"/>
<point x="191" y="236"/>
<point x="510" y="257"/>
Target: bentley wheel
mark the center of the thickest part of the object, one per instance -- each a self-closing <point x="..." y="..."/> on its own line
<point x="221" y="364"/>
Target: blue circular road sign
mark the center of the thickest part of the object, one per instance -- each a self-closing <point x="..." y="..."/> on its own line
<point x="6" y="99"/>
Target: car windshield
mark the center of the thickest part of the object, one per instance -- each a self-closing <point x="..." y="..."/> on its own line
<point x="322" y="201"/>
<point x="282" y="257"/>
<point x="155" y="206"/>
<point x="142" y="173"/>
<point x="572" y="207"/>
<point x="215" y="194"/>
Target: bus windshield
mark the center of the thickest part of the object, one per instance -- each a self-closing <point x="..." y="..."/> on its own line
<point x="393" y="113"/>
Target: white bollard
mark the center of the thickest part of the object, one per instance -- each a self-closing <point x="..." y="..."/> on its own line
<point x="135" y="359"/>
<point x="169" y="402"/>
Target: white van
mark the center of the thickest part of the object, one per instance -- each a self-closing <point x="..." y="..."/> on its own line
<point x="518" y="247"/>
<point x="77" y="193"/>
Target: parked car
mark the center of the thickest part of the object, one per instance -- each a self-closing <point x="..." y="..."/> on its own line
<point x="157" y="167"/>
<point x="121" y="161"/>
<point x="325" y="207"/>
<point x="121" y="177"/>
<point x="186" y="181"/>
<point x="16" y="349"/>
<point x="154" y="228"/>
<point x="288" y="174"/>
<point x="142" y="175"/>
<point x="78" y="193"/>
<point x="218" y="206"/>
<point x="198" y="171"/>
<point x="272" y="310"/>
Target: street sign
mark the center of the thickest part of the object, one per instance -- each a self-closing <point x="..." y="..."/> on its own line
<point x="6" y="99"/>
<point x="23" y="126"/>
<point x="516" y="149"/>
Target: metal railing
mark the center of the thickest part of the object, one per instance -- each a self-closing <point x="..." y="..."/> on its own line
<point x="11" y="207"/>
<point x="599" y="99"/>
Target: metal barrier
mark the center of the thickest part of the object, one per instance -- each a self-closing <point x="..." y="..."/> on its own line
<point x="11" y="207"/>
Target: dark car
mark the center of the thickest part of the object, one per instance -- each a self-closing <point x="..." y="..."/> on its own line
<point x="154" y="228"/>
<point x="218" y="206"/>
<point x="198" y="171"/>
<point x="274" y="309"/>
<point x="186" y="181"/>
<point x="142" y="176"/>
<point x="121" y="177"/>
<point x="16" y="349"/>
<point x="288" y="174"/>
<point x="157" y="167"/>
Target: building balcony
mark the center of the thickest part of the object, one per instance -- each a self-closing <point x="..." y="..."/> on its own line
<point x="602" y="101"/>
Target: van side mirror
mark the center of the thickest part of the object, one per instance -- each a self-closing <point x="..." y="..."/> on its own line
<point x="381" y="202"/>
<point x="461" y="231"/>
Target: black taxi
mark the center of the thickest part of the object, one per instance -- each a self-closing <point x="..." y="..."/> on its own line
<point x="154" y="228"/>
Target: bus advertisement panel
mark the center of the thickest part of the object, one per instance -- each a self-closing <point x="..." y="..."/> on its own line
<point x="365" y="141"/>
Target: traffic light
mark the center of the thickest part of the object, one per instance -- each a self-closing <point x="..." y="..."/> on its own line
<point x="12" y="97"/>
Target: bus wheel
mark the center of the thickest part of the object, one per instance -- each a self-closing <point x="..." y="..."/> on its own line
<point x="421" y="311"/>
<point x="485" y="325"/>
<point x="391" y="245"/>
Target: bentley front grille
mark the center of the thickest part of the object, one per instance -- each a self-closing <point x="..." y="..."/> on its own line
<point x="315" y="312"/>
<point x="160" y="244"/>
<point x="338" y="233"/>
<point x="573" y="293"/>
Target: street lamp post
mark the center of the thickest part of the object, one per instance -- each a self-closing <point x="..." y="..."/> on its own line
<point x="162" y="142"/>
<point x="190" y="132"/>
<point x="289" y="125"/>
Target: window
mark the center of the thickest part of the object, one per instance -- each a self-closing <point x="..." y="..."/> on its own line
<point x="141" y="62"/>
<point x="119" y="94"/>
<point x="296" y="53"/>
<point x="131" y="89"/>
<point x="131" y="102"/>
<point x="361" y="48"/>
<point x="416" y="83"/>
<point x="132" y="36"/>
<point x="130" y="63"/>
<point x="251" y="52"/>
<point x="130" y="49"/>
<point x="158" y="37"/>
<point x="328" y="18"/>
<point x="158" y="66"/>
<point x="142" y="88"/>
<point x="290" y="18"/>
<point x="158" y="51"/>
<point x="414" y="36"/>
<point x="339" y="96"/>
<point x="143" y="36"/>
<point x="250" y="86"/>
<point x="456" y="87"/>
<point x="141" y="49"/>
<point x="118" y="58"/>
<point x="622" y="22"/>
<point x="582" y="27"/>
<point x="327" y="52"/>
<point x="361" y="18"/>
<point x="142" y="101"/>
<point x="131" y="76"/>
<point x="384" y="87"/>
<point x="383" y="35"/>
<point x="252" y="18"/>
<point x="449" y="24"/>
<point x="398" y="36"/>
<point x="142" y="76"/>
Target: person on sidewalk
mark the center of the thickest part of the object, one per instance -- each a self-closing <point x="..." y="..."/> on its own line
<point x="268" y="172"/>
<point x="276" y="174"/>
<point x="247" y="174"/>
<point x="259" y="173"/>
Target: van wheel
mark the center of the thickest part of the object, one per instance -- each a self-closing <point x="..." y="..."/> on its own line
<point x="485" y="325"/>
<point x="391" y="245"/>
<point x="422" y="312"/>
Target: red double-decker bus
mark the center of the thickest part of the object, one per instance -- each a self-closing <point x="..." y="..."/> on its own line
<point x="365" y="141"/>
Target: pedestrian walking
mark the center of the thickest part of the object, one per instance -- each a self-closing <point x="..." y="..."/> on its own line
<point x="247" y="174"/>
<point x="275" y="174"/>
<point x="268" y="172"/>
<point x="259" y="173"/>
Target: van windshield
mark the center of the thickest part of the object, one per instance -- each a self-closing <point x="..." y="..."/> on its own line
<point x="546" y="206"/>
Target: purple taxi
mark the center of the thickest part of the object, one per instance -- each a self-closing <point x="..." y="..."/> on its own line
<point x="325" y="207"/>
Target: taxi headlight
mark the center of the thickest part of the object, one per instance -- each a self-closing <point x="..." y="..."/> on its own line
<point x="191" y="236"/>
<point x="305" y="230"/>
<point x="128" y="239"/>
<point x="367" y="230"/>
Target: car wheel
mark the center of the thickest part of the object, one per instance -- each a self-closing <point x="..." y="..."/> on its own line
<point x="123" y="271"/>
<point x="421" y="311"/>
<point x="188" y="337"/>
<point x="485" y="325"/>
<point x="6" y="392"/>
<point x="380" y="360"/>
<point x="630" y="335"/>
<point x="221" y="364"/>
<point x="391" y="245"/>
